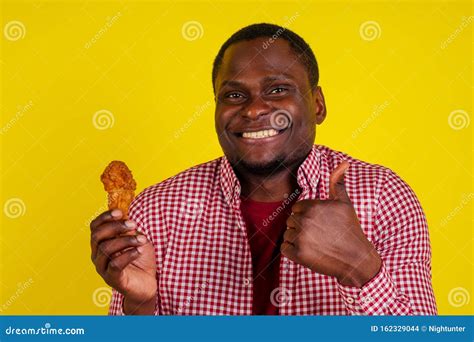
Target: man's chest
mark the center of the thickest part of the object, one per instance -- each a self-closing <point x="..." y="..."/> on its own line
<point x="207" y="270"/>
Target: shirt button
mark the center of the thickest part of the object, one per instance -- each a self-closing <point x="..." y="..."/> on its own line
<point x="350" y="300"/>
<point x="246" y="281"/>
<point x="366" y="299"/>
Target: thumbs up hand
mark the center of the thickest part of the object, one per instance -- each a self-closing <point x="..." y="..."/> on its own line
<point x="326" y="236"/>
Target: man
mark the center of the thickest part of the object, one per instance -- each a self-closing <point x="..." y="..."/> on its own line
<point x="276" y="226"/>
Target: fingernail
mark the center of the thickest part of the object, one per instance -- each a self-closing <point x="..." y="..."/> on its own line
<point x="130" y="224"/>
<point x="141" y="238"/>
<point x="116" y="213"/>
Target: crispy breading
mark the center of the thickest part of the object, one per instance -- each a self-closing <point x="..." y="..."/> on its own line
<point x="120" y="186"/>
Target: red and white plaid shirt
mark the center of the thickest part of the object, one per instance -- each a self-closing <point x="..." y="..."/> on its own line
<point x="204" y="265"/>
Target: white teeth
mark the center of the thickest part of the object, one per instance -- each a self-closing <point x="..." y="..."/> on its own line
<point x="260" y="134"/>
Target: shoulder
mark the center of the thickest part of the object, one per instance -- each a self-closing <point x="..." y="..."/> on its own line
<point x="196" y="179"/>
<point x="364" y="177"/>
<point x="359" y="171"/>
<point x="385" y="204"/>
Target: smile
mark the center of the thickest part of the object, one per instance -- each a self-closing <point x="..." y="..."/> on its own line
<point x="261" y="134"/>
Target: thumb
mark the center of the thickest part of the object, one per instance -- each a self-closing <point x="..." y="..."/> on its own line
<point x="337" y="188"/>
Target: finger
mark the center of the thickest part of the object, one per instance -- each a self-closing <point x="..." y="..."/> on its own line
<point x="337" y="188"/>
<point x="288" y="250"/>
<point x="293" y="222"/>
<point x="116" y="254"/>
<point x="106" y="216"/>
<point x="123" y="260"/>
<point x="112" y="246"/>
<point x="108" y="231"/>
<point x="301" y="206"/>
<point x="290" y="236"/>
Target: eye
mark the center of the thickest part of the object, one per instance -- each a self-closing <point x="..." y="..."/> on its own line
<point x="233" y="95"/>
<point x="277" y="90"/>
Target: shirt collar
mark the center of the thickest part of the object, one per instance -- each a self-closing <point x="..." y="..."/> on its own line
<point x="308" y="177"/>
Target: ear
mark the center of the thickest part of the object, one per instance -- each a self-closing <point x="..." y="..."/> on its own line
<point x="320" y="105"/>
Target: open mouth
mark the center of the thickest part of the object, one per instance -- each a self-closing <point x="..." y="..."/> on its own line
<point x="262" y="134"/>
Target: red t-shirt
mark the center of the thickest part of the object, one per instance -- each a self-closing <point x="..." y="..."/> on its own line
<point x="265" y="228"/>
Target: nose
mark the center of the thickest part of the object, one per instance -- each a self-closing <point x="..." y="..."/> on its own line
<point x="256" y="108"/>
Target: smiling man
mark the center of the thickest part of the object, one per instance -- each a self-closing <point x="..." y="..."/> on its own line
<point x="277" y="225"/>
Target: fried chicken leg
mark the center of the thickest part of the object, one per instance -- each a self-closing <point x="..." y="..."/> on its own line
<point x="120" y="186"/>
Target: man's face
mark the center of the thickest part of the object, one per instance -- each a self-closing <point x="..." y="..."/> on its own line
<point x="266" y="111"/>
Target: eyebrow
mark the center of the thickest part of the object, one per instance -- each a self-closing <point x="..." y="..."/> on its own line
<point x="266" y="79"/>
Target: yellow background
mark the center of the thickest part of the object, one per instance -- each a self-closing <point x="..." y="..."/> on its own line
<point x="132" y="59"/>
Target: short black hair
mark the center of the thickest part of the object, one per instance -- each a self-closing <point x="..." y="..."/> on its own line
<point x="299" y="46"/>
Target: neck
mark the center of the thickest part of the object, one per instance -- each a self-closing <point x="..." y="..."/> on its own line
<point x="268" y="188"/>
